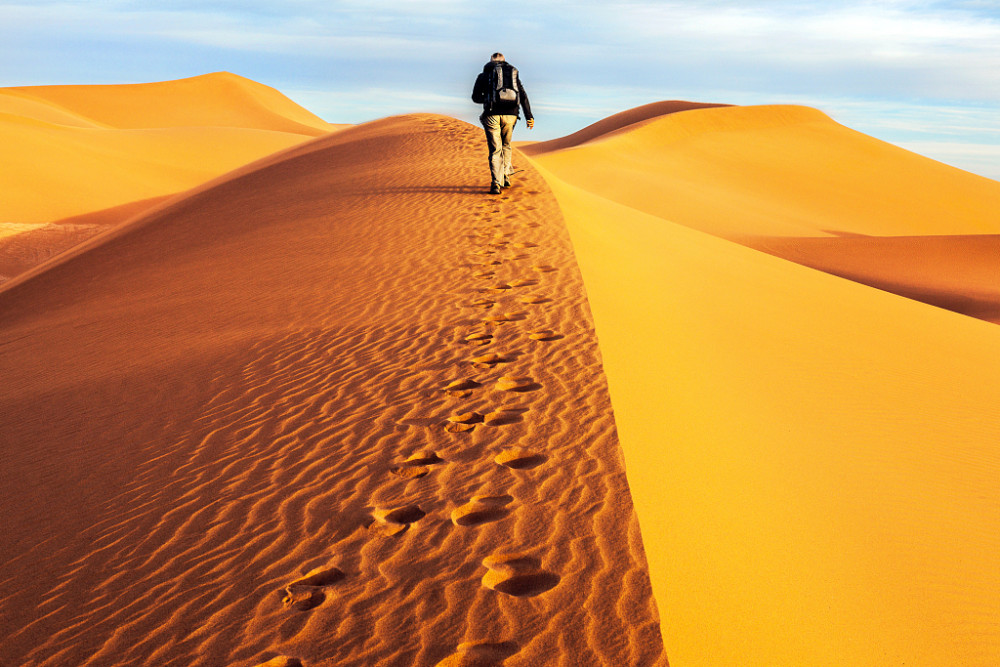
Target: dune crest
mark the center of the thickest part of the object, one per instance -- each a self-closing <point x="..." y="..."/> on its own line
<point x="605" y="127"/>
<point x="225" y="427"/>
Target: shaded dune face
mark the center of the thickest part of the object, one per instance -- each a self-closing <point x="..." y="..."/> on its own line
<point x="225" y="427"/>
<point x="958" y="273"/>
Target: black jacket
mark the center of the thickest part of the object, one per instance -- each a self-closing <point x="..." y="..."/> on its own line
<point x="501" y="108"/>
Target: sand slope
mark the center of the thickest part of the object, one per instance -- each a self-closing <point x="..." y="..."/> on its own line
<point x="68" y="150"/>
<point x="327" y="407"/>
<point x="782" y="178"/>
<point x="813" y="461"/>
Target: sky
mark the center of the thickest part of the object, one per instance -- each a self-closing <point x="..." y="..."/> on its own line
<point x="921" y="74"/>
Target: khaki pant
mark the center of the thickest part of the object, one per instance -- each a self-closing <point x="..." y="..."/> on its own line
<point x="499" y="130"/>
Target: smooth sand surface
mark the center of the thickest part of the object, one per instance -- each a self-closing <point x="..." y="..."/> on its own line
<point x="328" y="409"/>
<point x="814" y="462"/>
<point x="69" y="150"/>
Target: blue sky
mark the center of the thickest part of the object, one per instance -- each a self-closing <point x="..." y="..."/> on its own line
<point x="921" y="74"/>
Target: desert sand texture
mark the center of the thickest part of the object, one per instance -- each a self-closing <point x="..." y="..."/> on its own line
<point x="327" y="409"/>
<point x="113" y="151"/>
<point x="814" y="462"/>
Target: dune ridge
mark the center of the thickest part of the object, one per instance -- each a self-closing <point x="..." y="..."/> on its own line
<point x="813" y="461"/>
<point x="67" y="151"/>
<point x="101" y="146"/>
<point x="228" y="427"/>
<point x="628" y="119"/>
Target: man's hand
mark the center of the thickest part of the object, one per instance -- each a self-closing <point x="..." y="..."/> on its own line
<point x="531" y="123"/>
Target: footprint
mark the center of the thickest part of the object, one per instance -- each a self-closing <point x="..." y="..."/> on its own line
<point x="424" y="457"/>
<point x="518" y="575"/>
<point x="525" y="244"/>
<point x="282" y="661"/>
<point x="461" y="388"/>
<point x="479" y="654"/>
<point x="523" y="282"/>
<point x="394" y="521"/>
<point x="463" y="422"/>
<point x="544" y="268"/>
<point x="500" y="318"/>
<point x="519" y="384"/>
<point x="309" y="591"/>
<point x="479" y="338"/>
<point x="410" y="472"/>
<point x="485" y="304"/>
<point x="520" y="458"/>
<point x="504" y="417"/>
<point x="499" y="287"/>
<point x="416" y="465"/>
<point x="487" y="360"/>
<point x="544" y="334"/>
<point x="481" y="509"/>
<point x="531" y="299"/>
<point x="484" y="274"/>
<point x="303" y="598"/>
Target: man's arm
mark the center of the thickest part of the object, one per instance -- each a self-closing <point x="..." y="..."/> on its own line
<point x="478" y="90"/>
<point x="525" y="104"/>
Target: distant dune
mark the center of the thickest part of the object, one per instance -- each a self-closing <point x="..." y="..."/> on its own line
<point x="322" y="408"/>
<point x="72" y="150"/>
<point x="606" y="127"/>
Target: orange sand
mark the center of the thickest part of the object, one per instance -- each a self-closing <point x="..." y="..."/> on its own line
<point x="814" y="462"/>
<point x="67" y="150"/>
<point x="327" y="408"/>
<point x="107" y="153"/>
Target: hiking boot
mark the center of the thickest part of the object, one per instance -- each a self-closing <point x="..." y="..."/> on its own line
<point x="506" y="182"/>
<point x="495" y="189"/>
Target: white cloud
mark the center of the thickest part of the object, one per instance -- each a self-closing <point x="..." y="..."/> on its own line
<point x="904" y="70"/>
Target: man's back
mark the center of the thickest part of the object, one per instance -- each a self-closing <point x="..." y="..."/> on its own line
<point x="508" y="78"/>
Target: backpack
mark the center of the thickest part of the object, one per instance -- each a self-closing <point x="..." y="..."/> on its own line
<point x="500" y="90"/>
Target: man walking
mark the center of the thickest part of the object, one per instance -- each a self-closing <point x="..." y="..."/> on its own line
<point x="500" y="92"/>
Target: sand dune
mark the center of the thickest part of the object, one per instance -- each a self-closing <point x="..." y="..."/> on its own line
<point x="111" y="151"/>
<point x="68" y="150"/>
<point x="325" y="409"/>
<point x="778" y="171"/>
<point x="813" y="461"/>
<point x="328" y="409"/>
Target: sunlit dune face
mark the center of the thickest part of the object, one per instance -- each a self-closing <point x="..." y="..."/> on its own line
<point x="813" y="461"/>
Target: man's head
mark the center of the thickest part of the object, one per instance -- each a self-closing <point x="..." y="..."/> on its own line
<point x="497" y="58"/>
